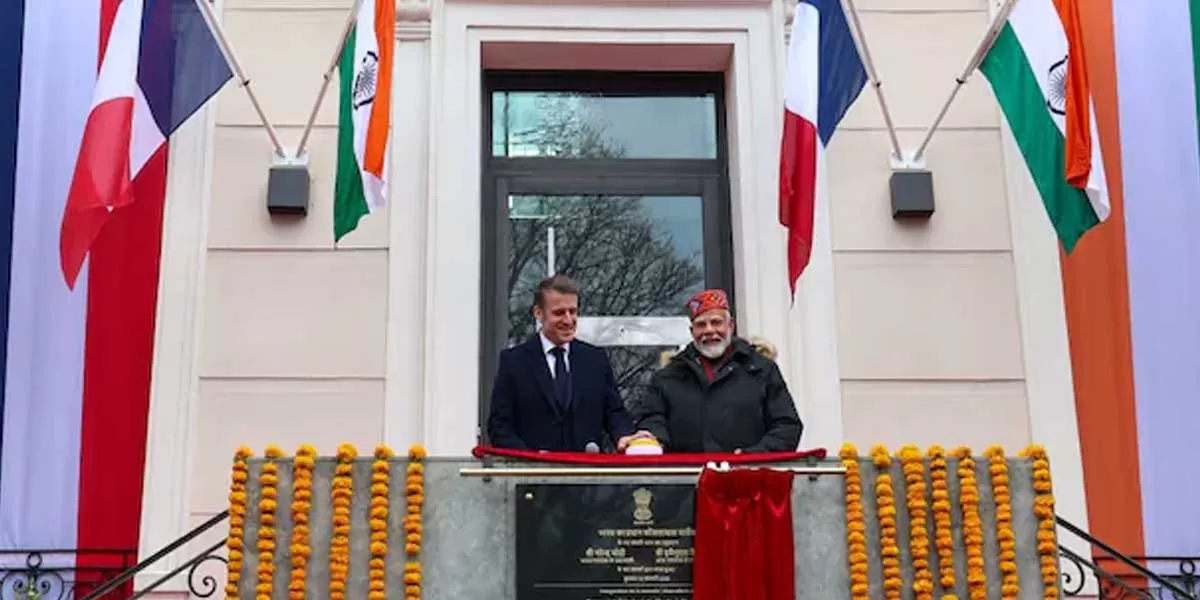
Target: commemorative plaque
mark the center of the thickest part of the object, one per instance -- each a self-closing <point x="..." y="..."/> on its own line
<point x="605" y="542"/>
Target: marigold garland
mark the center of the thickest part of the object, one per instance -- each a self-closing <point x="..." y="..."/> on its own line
<point x="1005" y="536"/>
<point x="912" y="464"/>
<point x="339" y="544"/>
<point x="415" y="490"/>
<point x="972" y="527"/>
<point x="235" y="540"/>
<point x="380" y="484"/>
<point x="943" y="536"/>
<point x="1043" y="509"/>
<point x="302" y="480"/>
<point x="856" y="525"/>
<point x="267" y="505"/>
<point x="885" y="500"/>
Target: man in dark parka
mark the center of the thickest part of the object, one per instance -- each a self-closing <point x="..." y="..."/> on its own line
<point x="718" y="394"/>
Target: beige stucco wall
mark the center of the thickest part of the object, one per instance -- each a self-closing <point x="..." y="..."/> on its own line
<point x="928" y="330"/>
<point x="298" y="342"/>
<point x="292" y="339"/>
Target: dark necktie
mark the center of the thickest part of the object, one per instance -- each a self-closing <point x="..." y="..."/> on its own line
<point x="562" y="380"/>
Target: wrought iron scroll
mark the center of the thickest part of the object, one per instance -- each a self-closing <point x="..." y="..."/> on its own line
<point x="1141" y="578"/>
<point x="46" y="574"/>
<point x="199" y="584"/>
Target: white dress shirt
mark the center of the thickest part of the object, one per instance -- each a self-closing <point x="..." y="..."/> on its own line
<point x="547" y="346"/>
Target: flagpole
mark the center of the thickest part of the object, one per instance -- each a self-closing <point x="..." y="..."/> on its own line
<point x="856" y="34"/>
<point x="333" y="63"/>
<point x="232" y="61"/>
<point x="989" y="39"/>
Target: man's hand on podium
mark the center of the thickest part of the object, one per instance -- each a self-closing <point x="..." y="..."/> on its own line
<point x="623" y="443"/>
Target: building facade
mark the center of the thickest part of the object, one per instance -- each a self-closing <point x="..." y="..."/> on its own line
<point x="947" y="331"/>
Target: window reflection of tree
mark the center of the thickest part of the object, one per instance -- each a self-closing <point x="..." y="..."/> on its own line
<point x="608" y="244"/>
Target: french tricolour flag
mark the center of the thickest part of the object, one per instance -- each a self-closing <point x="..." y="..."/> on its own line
<point x="89" y="94"/>
<point x="824" y="77"/>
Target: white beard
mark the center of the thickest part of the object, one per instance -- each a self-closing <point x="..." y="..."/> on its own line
<point x="713" y="350"/>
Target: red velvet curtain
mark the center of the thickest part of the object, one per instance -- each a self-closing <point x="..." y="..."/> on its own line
<point x="743" y="541"/>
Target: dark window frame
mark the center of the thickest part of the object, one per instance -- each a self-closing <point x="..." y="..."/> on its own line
<point x="502" y="176"/>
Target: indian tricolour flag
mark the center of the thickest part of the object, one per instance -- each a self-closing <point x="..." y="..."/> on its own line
<point x="1036" y="69"/>
<point x="365" y="74"/>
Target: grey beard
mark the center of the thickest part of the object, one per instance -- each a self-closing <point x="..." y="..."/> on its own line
<point x="714" y="350"/>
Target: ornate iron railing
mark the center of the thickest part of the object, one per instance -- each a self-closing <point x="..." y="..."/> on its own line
<point x="59" y="574"/>
<point x="1139" y="577"/>
<point x="199" y="584"/>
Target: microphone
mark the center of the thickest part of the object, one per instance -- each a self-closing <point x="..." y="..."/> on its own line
<point x="591" y="448"/>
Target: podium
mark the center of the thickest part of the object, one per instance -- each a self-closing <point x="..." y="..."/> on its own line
<point x="516" y="530"/>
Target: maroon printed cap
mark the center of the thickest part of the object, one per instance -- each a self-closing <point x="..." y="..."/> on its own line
<point x="705" y="301"/>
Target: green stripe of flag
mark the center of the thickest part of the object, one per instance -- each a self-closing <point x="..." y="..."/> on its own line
<point x="349" y="200"/>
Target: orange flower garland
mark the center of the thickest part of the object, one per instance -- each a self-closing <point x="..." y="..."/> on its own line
<point x="339" y="543"/>
<point x="415" y="490"/>
<point x="942" y="525"/>
<point x="913" y="465"/>
<point x="267" y="505"/>
<point x="885" y="500"/>
<point x="972" y="527"/>
<point x="235" y="541"/>
<point x="302" y="480"/>
<point x="1043" y="509"/>
<point x="856" y="526"/>
<point x="1005" y="537"/>
<point x="380" y="480"/>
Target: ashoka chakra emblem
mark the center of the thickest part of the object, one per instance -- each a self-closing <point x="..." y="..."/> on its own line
<point x="1056" y="87"/>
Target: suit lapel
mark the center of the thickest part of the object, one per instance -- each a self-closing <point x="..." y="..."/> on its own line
<point x="542" y="372"/>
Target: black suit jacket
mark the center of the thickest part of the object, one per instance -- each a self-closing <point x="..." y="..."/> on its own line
<point x="525" y="413"/>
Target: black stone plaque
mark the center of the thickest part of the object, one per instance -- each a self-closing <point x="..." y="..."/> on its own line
<point x="605" y="542"/>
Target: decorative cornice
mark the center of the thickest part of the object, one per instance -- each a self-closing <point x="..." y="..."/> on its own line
<point x="412" y="19"/>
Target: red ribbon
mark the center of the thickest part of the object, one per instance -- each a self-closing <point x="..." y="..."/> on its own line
<point x="673" y="459"/>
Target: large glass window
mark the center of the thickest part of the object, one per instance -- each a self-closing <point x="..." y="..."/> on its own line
<point x="595" y="125"/>
<point x="616" y="180"/>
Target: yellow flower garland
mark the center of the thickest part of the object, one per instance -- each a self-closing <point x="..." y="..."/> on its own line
<point x="912" y="464"/>
<point x="235" y="540"/>
<point x="267" y="505"/>
<point x="1043" y="509"/>
<point x="972" y="527"/>
<point x="943" y="535"/>
<point x="856" y="526"/>
<point x="1005" y="537"/>
<point x="380" y="480"/>
<point x="302" y="480"/>
<point x="885" y="500"/>
<point x="339" y="544"/>
<point x="415" y="490"/>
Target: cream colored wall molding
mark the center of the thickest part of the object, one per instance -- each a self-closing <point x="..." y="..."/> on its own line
<point x="409" y="195"/>
<point x="169" y="439"/>
<point x="412" y="20"/>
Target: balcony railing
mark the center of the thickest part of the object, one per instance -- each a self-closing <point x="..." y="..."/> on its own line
<point x="61" y="574"/>
<point x="1117" y="576"/>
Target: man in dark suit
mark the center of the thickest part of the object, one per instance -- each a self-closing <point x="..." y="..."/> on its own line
<point x="554" y="392"/>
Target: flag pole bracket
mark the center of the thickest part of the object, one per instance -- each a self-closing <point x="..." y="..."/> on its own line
<point x="288" y="182"/>
<point x="911" y="189"/>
